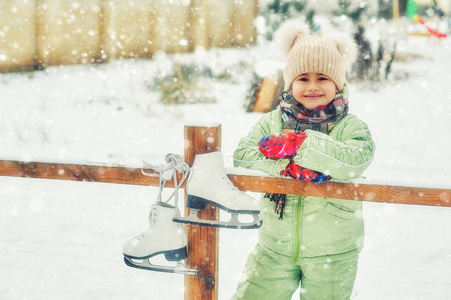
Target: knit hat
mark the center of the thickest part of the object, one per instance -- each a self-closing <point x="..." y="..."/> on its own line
<point x="307" y="54"/>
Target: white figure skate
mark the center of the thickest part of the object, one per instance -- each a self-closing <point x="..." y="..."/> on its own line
<point x="163" y="235"/>
<point x="208" y="183"/>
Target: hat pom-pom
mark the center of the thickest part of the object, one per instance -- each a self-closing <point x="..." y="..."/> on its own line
<point x="287" y="33"/>
<point x="347" y="48"/>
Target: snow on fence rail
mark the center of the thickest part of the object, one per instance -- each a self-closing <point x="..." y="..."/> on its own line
<point x="246" y="182"/>
<point x="203" y="241"/>
<point x="35" y="34"/>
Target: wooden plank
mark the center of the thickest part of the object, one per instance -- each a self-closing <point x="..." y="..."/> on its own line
<point x="203" y="242"/>
<point x="133" y="176"/>
<point x="265" y="96"/>
<point x="76" y="172"/>
<point x="345" y="190"/>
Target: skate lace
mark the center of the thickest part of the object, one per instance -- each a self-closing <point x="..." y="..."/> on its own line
<point x="174" y="165"/>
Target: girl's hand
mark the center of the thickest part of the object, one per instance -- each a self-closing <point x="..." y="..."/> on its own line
<point x="299" y="172"/>
<point x="281" y="145"/>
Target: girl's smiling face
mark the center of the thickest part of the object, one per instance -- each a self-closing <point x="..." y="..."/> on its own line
<point x="313" y="89"/>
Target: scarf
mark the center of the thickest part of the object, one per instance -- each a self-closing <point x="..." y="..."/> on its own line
<point x="298" y="118"/>
<point x="323" y="118"/>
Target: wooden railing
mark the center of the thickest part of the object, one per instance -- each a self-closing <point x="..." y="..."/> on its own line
<point x="203" y="241"/>
<point x="264" y="184"/>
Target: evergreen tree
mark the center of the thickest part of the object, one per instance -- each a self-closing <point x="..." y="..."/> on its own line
<point x="278" y="11"/>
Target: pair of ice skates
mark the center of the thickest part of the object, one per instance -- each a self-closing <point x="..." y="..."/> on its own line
<point x="207" y="184"/>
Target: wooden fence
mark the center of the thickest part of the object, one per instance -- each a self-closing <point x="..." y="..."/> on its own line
<point x="38" y="33"/>
<point x="203" y="242"/>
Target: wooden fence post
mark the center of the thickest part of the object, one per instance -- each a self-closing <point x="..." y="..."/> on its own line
<point x="203" y="241"/>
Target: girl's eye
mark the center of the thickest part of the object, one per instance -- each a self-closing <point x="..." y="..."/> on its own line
<point x="303" y="79"/>
<point x="323" y="78"/>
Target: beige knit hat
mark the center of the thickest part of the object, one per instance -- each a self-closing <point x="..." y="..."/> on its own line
<point x="307" y="54"/>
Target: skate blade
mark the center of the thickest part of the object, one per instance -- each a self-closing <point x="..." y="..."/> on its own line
<point x="144" y="264"/>
<point x="199" y="203"/>
<point x="233" y="223"/>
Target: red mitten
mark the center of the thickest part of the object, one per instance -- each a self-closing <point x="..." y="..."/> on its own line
<point x="281" y="145"/>
<point x="299" y="172"/>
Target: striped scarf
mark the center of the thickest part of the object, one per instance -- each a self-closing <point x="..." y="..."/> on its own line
<point x="323" y="118"/>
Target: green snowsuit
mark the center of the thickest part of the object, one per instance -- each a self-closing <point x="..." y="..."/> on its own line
<point x="316" y="233"/>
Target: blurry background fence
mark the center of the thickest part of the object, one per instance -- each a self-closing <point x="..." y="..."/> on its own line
<point x="38" y="33"/>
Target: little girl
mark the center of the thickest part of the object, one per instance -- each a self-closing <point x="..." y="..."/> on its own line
<point x="311" y="241"/>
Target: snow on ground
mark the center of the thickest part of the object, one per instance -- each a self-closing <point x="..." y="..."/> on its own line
<point x="63" y="240"/>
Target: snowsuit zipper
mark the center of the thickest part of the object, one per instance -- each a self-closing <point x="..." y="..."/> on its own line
<point x="297" y="228"/>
